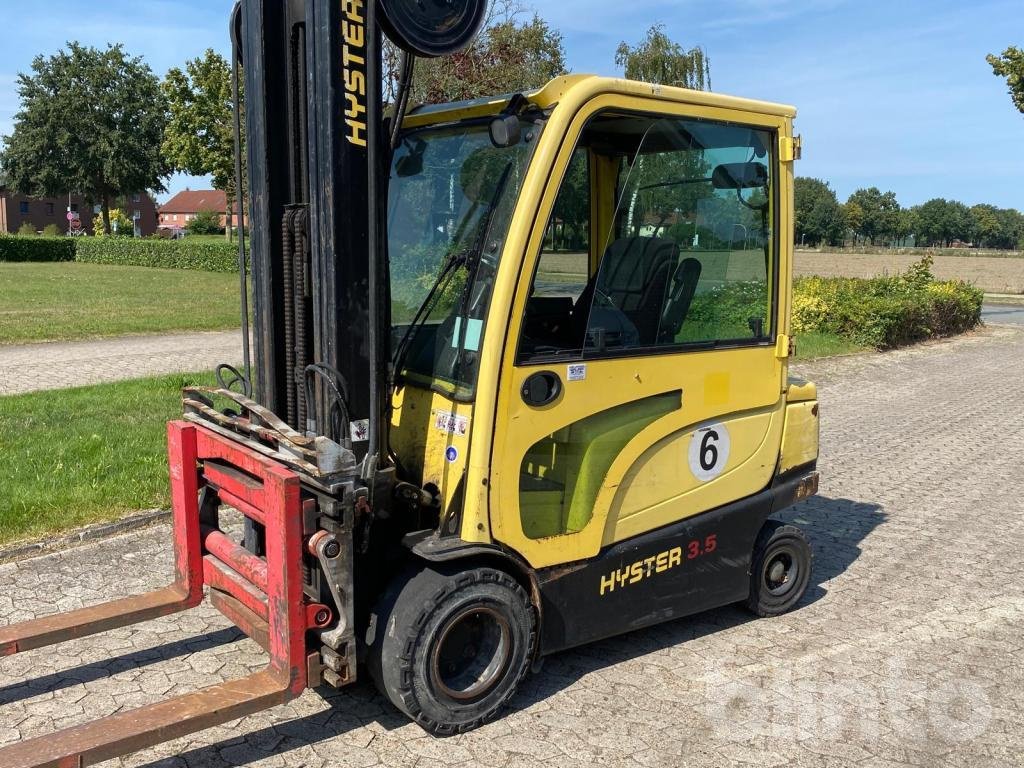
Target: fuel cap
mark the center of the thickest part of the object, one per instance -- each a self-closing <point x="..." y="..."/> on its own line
<point x="431" y="28"/>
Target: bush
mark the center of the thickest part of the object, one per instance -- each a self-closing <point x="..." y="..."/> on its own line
<point x="26" y="229"/>
<point x="205" y="223"/>
<point x="886" y="312"/>
<point x="120" y="224"/>
<point x="36" y="248"/>
<point x="52" y="230"/>
<point x="165" y="254"/>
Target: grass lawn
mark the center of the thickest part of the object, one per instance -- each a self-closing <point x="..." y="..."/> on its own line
<point x="56" y="302"/>
<point x="80" y="456"/>
<point x="813" y="345"/>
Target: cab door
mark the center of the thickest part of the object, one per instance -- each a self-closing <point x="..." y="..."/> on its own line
<point x="642" y="376"/>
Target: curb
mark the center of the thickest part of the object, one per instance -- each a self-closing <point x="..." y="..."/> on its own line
<point x="77" y="538"/>
<point x="1004" y="298"/>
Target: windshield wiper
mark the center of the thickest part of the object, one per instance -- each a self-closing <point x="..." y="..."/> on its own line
<point x="453" y="261"/>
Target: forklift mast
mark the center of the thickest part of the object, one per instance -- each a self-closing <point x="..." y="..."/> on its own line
<point x="316" y="164"/>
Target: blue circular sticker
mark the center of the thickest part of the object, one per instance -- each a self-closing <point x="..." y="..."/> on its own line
<point x="452" y="454"/>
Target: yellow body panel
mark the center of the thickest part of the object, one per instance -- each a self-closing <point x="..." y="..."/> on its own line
<point x="800" y="435"/>
<point x="658" y="488"/>
<point x="424" y="426"/>
<point x="800" y="390"/>
<point x="647" y="485"/>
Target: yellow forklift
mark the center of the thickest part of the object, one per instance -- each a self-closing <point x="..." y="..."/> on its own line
<point x="520" y="381"/>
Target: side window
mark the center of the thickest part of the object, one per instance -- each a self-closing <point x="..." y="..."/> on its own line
<point x="564" y="266"/>
<point x="688" y="258"/>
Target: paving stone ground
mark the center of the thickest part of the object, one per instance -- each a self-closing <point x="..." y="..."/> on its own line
<point x="908" y="650"/>
<point x="58" y="365"/>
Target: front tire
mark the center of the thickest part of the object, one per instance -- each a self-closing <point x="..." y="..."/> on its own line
<point x="449" y="648"/>
<point x="780" y="569"/>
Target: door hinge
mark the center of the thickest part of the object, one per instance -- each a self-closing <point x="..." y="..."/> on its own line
<point x="790" y="148"/>
<point x="785" y="346"/>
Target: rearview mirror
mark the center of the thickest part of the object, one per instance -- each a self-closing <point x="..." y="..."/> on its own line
<point x="506" y="131"/>
<point x="740" y="176"/>
<point x="411" y="164"/>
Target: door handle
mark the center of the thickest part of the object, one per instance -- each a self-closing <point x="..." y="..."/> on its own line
<point x="541" y="389"/>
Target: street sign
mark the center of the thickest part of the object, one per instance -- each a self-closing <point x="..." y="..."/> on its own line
<point x="72" y="216"/>
<point x="76" y="224"/>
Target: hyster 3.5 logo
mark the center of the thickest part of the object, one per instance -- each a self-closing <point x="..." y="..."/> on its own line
<point x="655" y="564"/>
<point x="354" y="68"/>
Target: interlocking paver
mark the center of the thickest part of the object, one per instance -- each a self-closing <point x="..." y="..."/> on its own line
<point x="907" y="650"/>
<point x="58" y="365"/>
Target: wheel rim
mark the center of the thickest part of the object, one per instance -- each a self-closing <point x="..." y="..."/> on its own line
<point x="472" y="653"/>
<point x="781" y="572"/>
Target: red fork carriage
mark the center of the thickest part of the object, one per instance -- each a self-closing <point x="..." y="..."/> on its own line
<point x="264" y="596"/>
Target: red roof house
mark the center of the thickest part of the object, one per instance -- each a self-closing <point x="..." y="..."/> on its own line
<point x="183" y="207"/>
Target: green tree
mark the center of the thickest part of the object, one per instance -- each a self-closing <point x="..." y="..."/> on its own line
<point x="659" y="59"/>
<point x="906" y="224"/>
<point x="1011" y="229"/>
<point x="984" y="225"/>
<point x="819" y="217"/>
<point x="509" y="56"/>
<point x="1011" y="66"/>
<point x="931" y="217"/>
<point x="942" y="221"/>
<point x="91" y="121"/>
<point x="853" y="216"/>
<point x="879" y="210"/>
<point x="200" y="136"/>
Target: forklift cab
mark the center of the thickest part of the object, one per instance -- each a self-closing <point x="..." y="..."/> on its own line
<point x="602" y="340"/>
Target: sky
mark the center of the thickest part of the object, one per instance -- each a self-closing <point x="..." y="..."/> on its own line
<point x="893" y="94"/>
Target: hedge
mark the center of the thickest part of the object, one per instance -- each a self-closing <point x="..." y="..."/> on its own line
<point x="886" y="312"/>
<point x="166" y="254"/>
<point x="37" y="248"/>
<point x="123" y="251"/>
<point x="882" y="312"/>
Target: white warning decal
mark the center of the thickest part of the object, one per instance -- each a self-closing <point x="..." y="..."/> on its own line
<point x="709" y="451"/>
<point x="451" y="423"/>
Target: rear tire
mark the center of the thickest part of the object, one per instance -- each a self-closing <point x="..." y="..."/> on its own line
<point x="449" y="648"/>
<point x="780" y="569"/>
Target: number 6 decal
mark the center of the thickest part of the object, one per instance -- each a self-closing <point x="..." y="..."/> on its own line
<point x="709" y="451"/>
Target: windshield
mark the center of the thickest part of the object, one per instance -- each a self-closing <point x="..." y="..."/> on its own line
<point x="451" y="197"/>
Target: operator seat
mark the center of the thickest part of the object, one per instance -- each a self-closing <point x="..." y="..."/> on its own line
<point x="684" y="288"/>
<point x="634" y="274"/>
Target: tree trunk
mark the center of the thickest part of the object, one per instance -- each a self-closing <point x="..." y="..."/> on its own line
<point x="105" y="206"/>
<point x="227" y="221"/>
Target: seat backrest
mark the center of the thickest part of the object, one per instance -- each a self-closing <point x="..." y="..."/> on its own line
<point x="634" y="275"/>
<point x="631" y="268"/>
<point x="684" y="287"/>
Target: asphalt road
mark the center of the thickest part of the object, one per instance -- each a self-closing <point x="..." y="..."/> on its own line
<point x="1003" y="314"/>
<point x="906" y="651"/>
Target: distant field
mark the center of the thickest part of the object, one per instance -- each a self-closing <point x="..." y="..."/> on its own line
<point x="992" y="274"/>
<point x="66" y="301"/>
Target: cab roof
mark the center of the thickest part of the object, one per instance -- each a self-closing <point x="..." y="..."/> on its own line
<point x="582" y="88"/>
